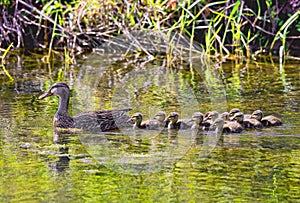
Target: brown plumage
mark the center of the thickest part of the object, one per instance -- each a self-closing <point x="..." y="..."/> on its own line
<point x="233" y="111"/>
<point x="267" y="120"/>
<point x="209" y="119"/>
<point x="271" y="121"/>
<point x="232" y="127"/>
<point x="247" y="122"/>
<point x="176" y="123"/>
<point x="151" y="124"/>
<point x="102" y="120"/>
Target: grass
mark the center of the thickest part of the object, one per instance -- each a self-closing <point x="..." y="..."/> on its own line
<point x="222" y="27"/>
<point x="3" y="56"/>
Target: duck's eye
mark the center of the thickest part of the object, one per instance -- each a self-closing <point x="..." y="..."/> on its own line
<point x="53" y="90"/>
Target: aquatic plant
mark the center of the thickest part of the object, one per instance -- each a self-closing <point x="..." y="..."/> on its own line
<point x="223" y="27"/>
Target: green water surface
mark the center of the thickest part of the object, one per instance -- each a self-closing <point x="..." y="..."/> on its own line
<point x="127" y="166"/>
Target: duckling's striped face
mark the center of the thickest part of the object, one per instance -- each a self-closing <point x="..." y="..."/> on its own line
<point x="137" y="117"/>
<point x="197" y="117"/>
<point x="161" y="116"/>
<point x="233" y="111"/>
<point x="239" y="117"/>
<point x="173" y="117"/>
<point x="257" y="115"/>
<point x="225" y="116"/>
<point x="213" y="115"/>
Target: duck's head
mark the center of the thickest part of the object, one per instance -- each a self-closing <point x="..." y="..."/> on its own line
<point x="160" y="116"/>
<point x="197" y="117"/>
<point x="173" y="117"/>
<point x="233" y="111"/>
<point x="137" y="117"/>
<point x="212" y="115"/>
<point x="258" y="114"/>
<point x="58" y="89"/>
<point x="239" y="117"/>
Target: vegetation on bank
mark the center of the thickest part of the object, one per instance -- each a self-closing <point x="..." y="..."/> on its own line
<point x="221" y="27"/>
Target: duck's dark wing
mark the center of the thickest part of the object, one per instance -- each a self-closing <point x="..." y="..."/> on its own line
<point x="102" y="120"/>
<point x="63" y="121"/>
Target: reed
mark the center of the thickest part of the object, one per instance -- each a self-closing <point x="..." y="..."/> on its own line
<point x="3" y="56"/>
<point x="223" y="27"/>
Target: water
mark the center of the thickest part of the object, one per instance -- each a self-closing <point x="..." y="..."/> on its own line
<point x="155" y="166"/>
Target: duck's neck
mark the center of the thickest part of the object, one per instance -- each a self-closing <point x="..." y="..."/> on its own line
<point x="63" y="105"/>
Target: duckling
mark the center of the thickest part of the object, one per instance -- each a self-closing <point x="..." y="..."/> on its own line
<point x="234" y="126"/>
<point x="267" y="120"/>
<point x="225" y="116"/>
<point x="137" y="120"/>
<point x="197" y="119"/>
<point x="233" y="111"/>
<point x="150" y="124"/>
<point x="209" y="118"/>
<point x="175" y="123"/>
<point x="247" y="122"/>
<point x="160" y="117"/>
<point x="217" y="125"/>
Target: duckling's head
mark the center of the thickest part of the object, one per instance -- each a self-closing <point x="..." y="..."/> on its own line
<point x="173" y="117"/>
<point x="160" y="116"/>
<point x="258" y="114"/>
<point x="137" y="117"/>
<point x="233" y="111"/>
<point x="197" y="117"/>
<point x="239" y="117"/>
<point x="59" y="89"/>
<point x="212" y="115"/>
<point x="225" y="116"/>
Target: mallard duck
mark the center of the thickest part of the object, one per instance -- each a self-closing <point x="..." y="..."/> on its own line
<point x="176" y="123"/>
<point x="267" y="120"/>
<point x="157" y="121"/>
<point x="247" y="122"/>
<point x="101" y="120"/>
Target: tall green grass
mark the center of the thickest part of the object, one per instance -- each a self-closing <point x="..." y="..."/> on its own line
<point x="225" y="27"/>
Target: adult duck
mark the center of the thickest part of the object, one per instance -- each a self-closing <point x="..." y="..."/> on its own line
<point x="101" y="120"/>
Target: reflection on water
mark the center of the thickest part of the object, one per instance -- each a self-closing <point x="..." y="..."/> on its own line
<point x="158" y="165"/>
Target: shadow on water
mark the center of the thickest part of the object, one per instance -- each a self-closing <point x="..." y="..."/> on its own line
<point x="256" y="165"/>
